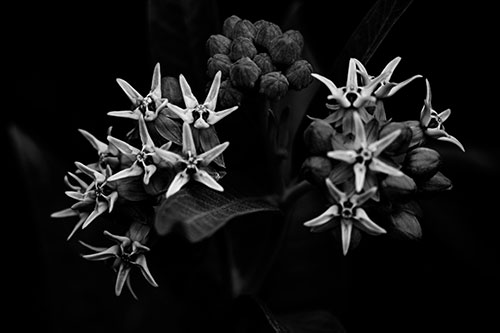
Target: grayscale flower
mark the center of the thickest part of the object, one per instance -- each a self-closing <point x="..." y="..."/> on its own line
<point x="193" y="165"/>
<point x="347" y="211"/>
<point x="364" y="153"/>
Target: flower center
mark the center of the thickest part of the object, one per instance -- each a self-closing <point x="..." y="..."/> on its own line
<point x="347" y="208"/>
<point x="436" y="121"/>
<point x="191" y="165"/>
<point x="200" y="111"/>
<point x="364" y="156"/>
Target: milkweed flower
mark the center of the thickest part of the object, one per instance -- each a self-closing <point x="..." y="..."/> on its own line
<point x="192" y="165"/>
<point x="432" y="122"/>
<point x="200" y="115"/>
<point x="347" y="211"/>
<point x="364" y="154"/>
<point x="128" y="252"/>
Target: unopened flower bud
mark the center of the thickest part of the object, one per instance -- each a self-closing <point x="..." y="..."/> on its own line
<point x="218" y="44"/>
<point x="242" y="47"/>
<point x="318" y="137"/>
<point x="273" y="85"/>
<point x="436" y="183"/>
<point x="406" y="224"/>
<point x="263" y="60"/>
<point x="297" y="37"/>
<point x="398" y="187"/>
<point x="218" y="62"/>
<point x="244" y="73"/>
<point x="284" y="50"/>
<point x="228" y="25"/>
<point x="417" y="133"/>
<point x="265" y="32"/>
<point x="402" y="141"/>
<point x="316" y="168"/>
<point x="244" y="28"/>
<point x="229" y="96"/>
<point x="171" y="90"/>
<point x="422" y="163"/>
<point x="299" y="74"/>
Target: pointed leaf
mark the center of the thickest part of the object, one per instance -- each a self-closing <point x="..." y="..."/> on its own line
<point x="200" y="211"/>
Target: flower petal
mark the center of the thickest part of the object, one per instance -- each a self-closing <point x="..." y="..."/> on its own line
<point x="123" y="146"/>
<point x="348" y="156"/>
<point x="203" y="177"/>
<point x="211" y="100"/>
<point x="188" y="145"/>
<point x="378" y="146"/>
<point x="168" y="156"/>
<point x="141" y="261"/>
<point x="177" y="183"/>
<point x="100" y="146"/>
<point x="207" y="157"/>
<point x="335" y="193"/>
<point x="352" y="77"/>
<point x="68" y="212"/>
<point x="121" y="278"/>
<point x="108" y="253"/>
<point x="366" y="224"/>
<point x="132" y="171"/>
<point x="400" y="85"/>
<point x="132" y="94"/>
<point x="359" y="199"/>
<point x="124" y="114"/>
<point x="75" y="195"/>
<point x="200" y="123"/>
<point x="181" y="113"/>
<point x="359" y="131"/>
<point x="346" y="230"/>
<point x="149" y="170"/>
<point x="156" y="82"/>
<point x="144" y="134"/>
<point x="444" y="115"/>
<point x="91" y="172"/>
<point x="336" y="93"/>
<point x="100" y="208"/>
<point x="80" y="182"/>
<point x="214" y="117"/>
<point x="390" y="67"/>
<point x="325" y="217"/>
<point x="425" y="114"/>
<point x="379" y="166"/>
<point x="453" y="140"/>
<point x="129" y="286"/>
<point x="112" y="199"/>
<point x="359" y="176"/>
<point x="189" y="99"/>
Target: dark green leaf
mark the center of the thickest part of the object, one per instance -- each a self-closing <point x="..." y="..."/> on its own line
<point x="200" y="211"/>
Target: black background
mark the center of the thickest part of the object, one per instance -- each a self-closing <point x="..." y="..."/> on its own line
<point x="64" y="58"/>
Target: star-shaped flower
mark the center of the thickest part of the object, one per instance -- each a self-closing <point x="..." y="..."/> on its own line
<point x="193" y="165"/>
<point x="148" y="106"/>
<point x="93" y="199"/>
<point x="347" y="209"/>
<point x="364" y="154"/>
<point x="432" y="122"/>
<point x="352" y="95"/>
<point x="144" y="159"/>
<point x="202" y="115"/>
<point x="128" y="252"/>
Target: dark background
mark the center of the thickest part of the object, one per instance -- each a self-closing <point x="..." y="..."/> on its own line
<point x="64" y="58"/>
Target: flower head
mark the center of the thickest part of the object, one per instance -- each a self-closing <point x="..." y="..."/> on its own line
<point x="364" y="154"/>
<point x="347" y="209"/>
<point x="148" y="106"/>
<point x="108" y="153"/>
<point x="128" y="252"/>
<point x="93" y="199"/>
<point x="432" y="122"/>
<point x="201" y="115"/>
<point x="143" y="159"/>
<point x="193" y="165"/>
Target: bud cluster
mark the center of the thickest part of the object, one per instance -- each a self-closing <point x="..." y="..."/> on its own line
<point x="257" y="56"/>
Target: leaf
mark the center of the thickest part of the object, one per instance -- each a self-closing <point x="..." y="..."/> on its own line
<point x="200" y="211"/>
<point x="407" y="224"/>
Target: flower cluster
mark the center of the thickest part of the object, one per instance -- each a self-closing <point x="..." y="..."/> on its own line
<point x="168" y="147"/>
<point x="369" y="163"/>
<point x="258" y="56"/>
